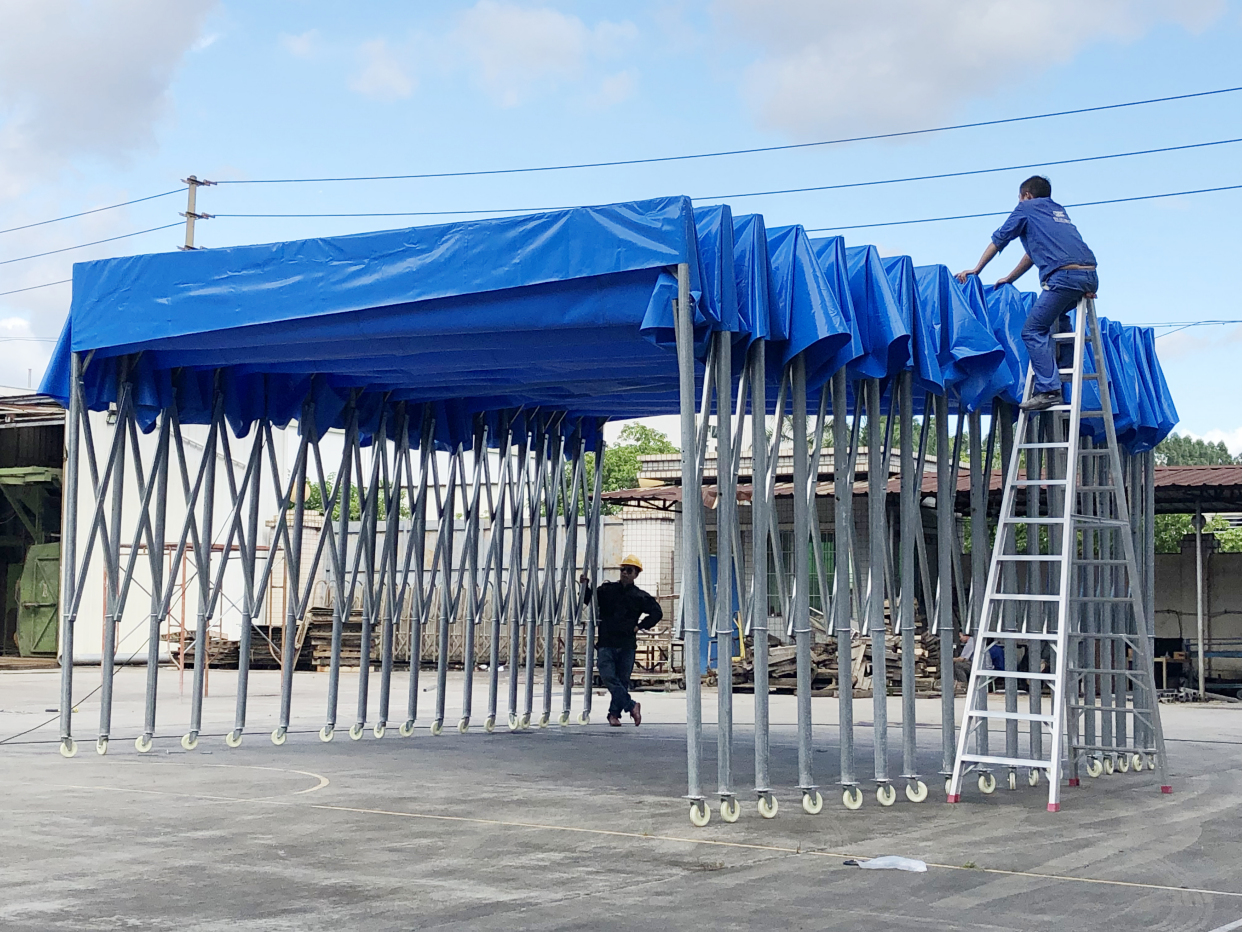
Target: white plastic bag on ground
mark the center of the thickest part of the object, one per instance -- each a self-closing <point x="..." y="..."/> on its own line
<point x="890" y="862"/>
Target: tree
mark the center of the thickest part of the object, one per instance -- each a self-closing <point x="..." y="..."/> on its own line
<point x="621" y="463"/>
<point x="1176" y="450"/>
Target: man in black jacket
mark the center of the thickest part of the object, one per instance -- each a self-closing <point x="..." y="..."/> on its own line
<point x="624" y="609"/>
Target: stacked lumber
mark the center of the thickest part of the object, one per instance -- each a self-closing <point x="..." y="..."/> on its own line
<point x="783" y="666"/>
<point x="319" y="639"/>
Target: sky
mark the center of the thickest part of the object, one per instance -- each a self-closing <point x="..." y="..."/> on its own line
<point x="105" y="101"/>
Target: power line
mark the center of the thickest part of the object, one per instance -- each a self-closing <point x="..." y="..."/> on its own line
<point x="85" y="213"/>
<point x="1180" y="325"/>
<point x="28" y="340"/>
<point x="63" y="281"/>
<point x="110" y="239"/>
<point x="1004" y="213"/>
<point x="718" y="197"/>
<point x="730" y="152"/>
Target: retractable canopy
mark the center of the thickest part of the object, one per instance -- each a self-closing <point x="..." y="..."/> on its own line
<point x="568" y="311"/>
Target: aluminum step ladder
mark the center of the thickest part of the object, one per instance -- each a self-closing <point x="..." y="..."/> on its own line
<point x="1063" y="584"/>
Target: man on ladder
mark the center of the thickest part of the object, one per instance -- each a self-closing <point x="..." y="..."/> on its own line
<point x="1066" y="274"/>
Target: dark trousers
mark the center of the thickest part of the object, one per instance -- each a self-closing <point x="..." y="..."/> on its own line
<point x="615" y="666"/>
<point x="1060" y="293"/>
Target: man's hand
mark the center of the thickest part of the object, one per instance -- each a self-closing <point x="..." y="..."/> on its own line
<point x="584" y="578"/>
<point x="962" y="276"/>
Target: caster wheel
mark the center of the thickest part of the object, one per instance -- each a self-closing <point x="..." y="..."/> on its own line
<point x="489" y="724"/>
<point x="1123" y="763"/>
<point x="1013" y="779"/>
<point x="812" y="802"/>
<point x="852" y="798"/>
<point x="436" y="727"/>
<point x="189" y="741"/>
<point x="987" y="783"/>
<point x="1109" y="766"/>
<point x="1033" y="778"/>
<point x="564" y="719"/>
<point x="279" y="736"/>
<point x="584" y="718"/>
<point x="700" y="813"/>
<point x="233" y="738"/>
<point x="379" y="729"/>
<point x="355" y="731"/>
<point x="768" y="806"/>
<point x="1094" y="768"/>
<point x="886" y="794"/>
<point x="463" y="726"/>
<point x="1136" y="761"/>
<point x="916" y="792"/>
<point x="406" y="729"/>
<point x="1151" y="761"/>
<point x="524" y="721"/>
<point x="948" y="787"/>
<point x="543" y="720"/>
<point x="730" y="809"/>
<point x="68" y="747"/>
<point x="142" y="744"/>
<point x="326" y="733"/>
<point x="101" y="746"/>
<point x="514" y="722"/>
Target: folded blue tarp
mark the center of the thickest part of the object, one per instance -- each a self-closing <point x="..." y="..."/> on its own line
<point x="568" y="311"/>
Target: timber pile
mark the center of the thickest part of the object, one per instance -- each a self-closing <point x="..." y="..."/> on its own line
<point x="783" y="666"/>
<point x="319" y="639"/>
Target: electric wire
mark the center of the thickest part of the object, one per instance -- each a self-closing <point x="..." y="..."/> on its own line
<point x="751" y="151"/>
<point x="110" y="239"/>
<point x="63" y="281"/>
<point x="95" y="210"/>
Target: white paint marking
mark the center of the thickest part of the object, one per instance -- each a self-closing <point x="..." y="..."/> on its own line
<point x="1236" y="924"/>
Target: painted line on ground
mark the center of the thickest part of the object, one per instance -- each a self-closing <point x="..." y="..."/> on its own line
<point x="1236" y="924"/>
<point x="779" y="849"/>
<point x="322" y="782"/>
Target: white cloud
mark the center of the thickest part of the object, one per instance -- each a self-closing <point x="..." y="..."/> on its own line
<point x="517" y="51"/>
<point x="382" y="77"/>
<point x="1232" y="439"/>
<point x="614" y="89"/>
<point x="302" y="45"/>
<point x="80" y="79"/>
<point x="827" y="65"/>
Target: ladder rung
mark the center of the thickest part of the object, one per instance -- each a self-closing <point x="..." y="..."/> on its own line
<point x="1040" y="520"/>
<point x="1018" y="675"/>
<point x="1067" y="374"/>
<point x="1007" y="761"/>
<point x="1101" y="522"/>
<point x="1107" y="599"/>
<point x="1064" y="337"/>
<point x="1008" y="716"/>
<point x="1095" y="451"/>
<point x="1101" y="562"/>
<point x="1112" y="748"/>
<point x="1095" y="488"/>
<point x="1132" y="674"/>
<point x="1025" y="597"/>
<point x="1029" y="557"/>
<point x="1107" y="708"/>
<point x="1021" y="635"/>
<point x="1043" y="446"/>
<point x="1102" y="636"/>
<point x="1025" y="482"/>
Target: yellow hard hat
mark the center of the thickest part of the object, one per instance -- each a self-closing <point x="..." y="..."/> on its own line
<point x="632" y="560"/>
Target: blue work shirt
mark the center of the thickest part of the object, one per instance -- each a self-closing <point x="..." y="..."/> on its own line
<point x="1047" y="234"/>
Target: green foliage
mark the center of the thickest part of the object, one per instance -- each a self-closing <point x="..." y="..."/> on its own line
<point x="1176" y="450"/>
<point x="1170" y="529"/>
<point x="314" y="502"/>
<point x="621" y="462"/>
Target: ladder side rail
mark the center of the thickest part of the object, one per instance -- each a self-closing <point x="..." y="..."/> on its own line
<point x="1128" y="543"/>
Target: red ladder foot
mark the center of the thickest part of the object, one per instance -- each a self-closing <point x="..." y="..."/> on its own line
<point x="1073" y="781"/>
<point x="954" y="798"/>
<point x="1166" y="789"/>
<point x="1054" y="807"/>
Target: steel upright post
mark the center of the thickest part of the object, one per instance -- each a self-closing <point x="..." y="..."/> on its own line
<point x="726" y="521"/>
<point x="293" y="571"/>
<point x="911" y="530"/>
<point x="760" y="516"/>
<point x="340" y="610"/>
<point x="1199" y="659"/>
<point x="800" y="606"/>
<point x="843" y="536"/>
<point x="69" y="554"/>
<point x="691" y="505"/>
<point x="447" y="523"/>
<point x="593" y="553"/>
<point x="877" y="496"/>
<point x="945" y="549"/>
<point x="112" y="618"/>
<point x="156" y="561"/>
<point x="979" y="550"/>
<point x="251" y="603"/>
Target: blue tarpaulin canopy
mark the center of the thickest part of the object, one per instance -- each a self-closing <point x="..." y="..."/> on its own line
<point x="568" y="310"/>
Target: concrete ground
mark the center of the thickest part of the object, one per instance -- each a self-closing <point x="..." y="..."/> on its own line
<point x="572" y="828"/>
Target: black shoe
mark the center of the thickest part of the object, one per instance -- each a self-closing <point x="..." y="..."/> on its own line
<point x="1041" y="400"/>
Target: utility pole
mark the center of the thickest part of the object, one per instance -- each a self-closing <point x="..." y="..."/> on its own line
<point x="192" y="185"/>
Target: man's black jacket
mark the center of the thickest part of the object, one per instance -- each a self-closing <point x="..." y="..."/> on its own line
<point x="620" y="608"/>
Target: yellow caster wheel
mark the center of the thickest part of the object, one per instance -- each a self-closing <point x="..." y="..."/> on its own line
<point x="379" y="729"/>
<point x="101" y="746"/>
<point x="916" y="792"/>
<point x="436" y="727"/>
<point x="543" y="720"/>
<point x="514" y="722"/>
<point x="1032" y="777"/>
<point x="355" y="731"/>
<point x="1094" y="768"/>
<point x="852" y="798"/>
<point x="564" y="719"/>
<point x="1151" y="761"/>
<point x="987" y="783"/>
<point x="700" y="813"/>
<point x="233" y="738"/>
<point x="142" y="744"/>
<point x="886" y="794"/>
<point x="768" y="806"/>
<point x="406" y="729"/>
<point x="524" y="721"/>
<point x="948" y="786"/>
<point x="584" y="718"/>
<point x="1136" y="761"/>
<point x="68" y="747"/>
<point x="463" y="726"/>
<point x="279" y="736"/>
<point x="1123" y="763"/>
<point x="190" y="741"/>
<point x="1013" y="779"/>
<point x="489" y="724"/>
<point x="326" y="733"/>
<point x="730" y="809"/>
<point x="812" y="802"/>
<point x="1109" y="766"/>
